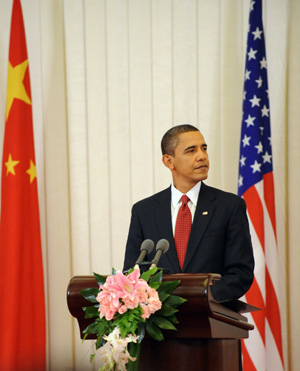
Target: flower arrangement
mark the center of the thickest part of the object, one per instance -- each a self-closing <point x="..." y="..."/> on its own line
<point x="125" y="308"/>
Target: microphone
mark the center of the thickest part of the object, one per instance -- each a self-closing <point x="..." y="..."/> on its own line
<point x="161" y="247"/>
<point x="146" y="247"/>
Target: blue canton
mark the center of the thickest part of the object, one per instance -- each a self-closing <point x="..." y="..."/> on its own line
<point x="255" y="148"/>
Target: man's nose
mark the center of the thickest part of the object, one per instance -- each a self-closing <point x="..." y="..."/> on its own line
<point x="201" y="155"/>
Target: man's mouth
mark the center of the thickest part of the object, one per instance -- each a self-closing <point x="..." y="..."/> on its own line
<point x="200" y="167"/>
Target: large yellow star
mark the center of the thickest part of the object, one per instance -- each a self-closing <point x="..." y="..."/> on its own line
<point x="31" y="171"/>
<point x="15" y="86"/>
<point x="10" y="165"/>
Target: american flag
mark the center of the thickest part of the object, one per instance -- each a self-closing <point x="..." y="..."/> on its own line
<point x="263" y="349"/>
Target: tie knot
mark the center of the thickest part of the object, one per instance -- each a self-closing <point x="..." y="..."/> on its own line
<point x="184" y="199"/>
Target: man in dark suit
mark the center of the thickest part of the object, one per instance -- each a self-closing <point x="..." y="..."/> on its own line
<point x="219" y="240"/>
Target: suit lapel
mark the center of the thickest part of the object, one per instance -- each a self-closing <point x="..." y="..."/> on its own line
<point x="164" y="225"/>
<point x="202" y="217"/>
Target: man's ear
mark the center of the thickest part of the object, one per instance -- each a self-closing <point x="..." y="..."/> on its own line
<point x="168" y="161"/>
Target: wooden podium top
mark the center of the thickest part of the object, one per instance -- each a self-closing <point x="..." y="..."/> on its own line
<point x="199" y="317"/>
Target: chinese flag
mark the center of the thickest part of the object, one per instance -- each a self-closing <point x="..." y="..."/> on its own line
<point x="22" y="301"/>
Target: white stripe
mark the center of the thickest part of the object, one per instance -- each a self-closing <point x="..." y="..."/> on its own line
<point x="273" y="359"/>
<point x="270" y="244"/>
<point x="255" y="347"/>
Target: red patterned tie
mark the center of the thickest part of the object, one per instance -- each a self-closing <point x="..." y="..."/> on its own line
<point x="183" y="229"/>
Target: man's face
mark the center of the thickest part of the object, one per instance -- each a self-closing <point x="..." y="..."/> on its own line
<point x="190" y="162"/>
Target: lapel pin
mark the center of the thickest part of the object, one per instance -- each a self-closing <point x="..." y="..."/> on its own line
<point x="205" y="213"/>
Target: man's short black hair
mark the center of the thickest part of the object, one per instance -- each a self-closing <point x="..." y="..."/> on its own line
<point x="170" y="139"/>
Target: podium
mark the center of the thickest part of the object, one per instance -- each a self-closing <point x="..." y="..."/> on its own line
<point x="208" y="332"/>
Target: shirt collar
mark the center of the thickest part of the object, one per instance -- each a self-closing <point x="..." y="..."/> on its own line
<point x="192" y="194"/>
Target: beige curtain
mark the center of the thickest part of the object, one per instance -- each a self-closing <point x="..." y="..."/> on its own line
<point x="108" y="78"/>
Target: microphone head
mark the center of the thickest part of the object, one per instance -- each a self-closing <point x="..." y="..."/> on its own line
<point x="147" y="245"/>
<point x="162" y="245"/>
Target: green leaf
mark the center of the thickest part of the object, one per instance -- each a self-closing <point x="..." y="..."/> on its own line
<point x="91" y="312"/>
<point x="154" y="285"/>
<point x="172" y="318"/>
<point x="100" y="327"/>
<point x="91" y="329"/>
<point x="141" y="331"/>
<point x="163" y="296"/>
<point x="166" y="311"/>
<point x="99" y="279"/>
<point x="100" y="342"/>
<point x="168" y="287"/>
<point x="130" y="271"/>
<point x="129" y="321"/>
<point x="103" y="326"/>
<point x="90" y="294"/>
<point x="157" y="277"/>
<point x="154" y="331"/>
<point x="92" y="357"/>
<point x="146" y="275"/>
<point x="113" y="272"/>
<point x="163" y="323"/>
<point x="174" y="301"/>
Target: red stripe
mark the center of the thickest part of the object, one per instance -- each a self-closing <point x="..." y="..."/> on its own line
<point x="273" y="314"/>
<point x="268" y="181"/>
<point x="270" y="310"/>
<point x="248" y="365"/>
<point x="254" y="296"/>
<point x="256" y="213"/>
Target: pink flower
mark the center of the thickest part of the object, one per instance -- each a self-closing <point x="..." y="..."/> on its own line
<point x="146" y="312"/>
<point x="142" y="293"/>
<point x="129" y="284"/>
<point x="122" y="309"/>
<point x="121" y="293"/>
<point x="109" y="305"/>
<point x="155" y="305"/>
<point x="131" y="303"/>
<point x="151" y="304"/>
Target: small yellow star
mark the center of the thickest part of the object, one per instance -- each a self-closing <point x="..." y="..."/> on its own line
<point x="31" y="171"/>
<point x="15" y="86"/>
<point x="10" y="164"/>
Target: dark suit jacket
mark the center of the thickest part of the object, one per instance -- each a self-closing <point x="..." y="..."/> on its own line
<point x="219" y="241"/>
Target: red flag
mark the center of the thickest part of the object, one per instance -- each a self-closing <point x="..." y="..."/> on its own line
<point x="22" y="306"/>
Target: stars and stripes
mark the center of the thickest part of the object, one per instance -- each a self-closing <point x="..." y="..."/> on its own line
<point x="263" y="349"/>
